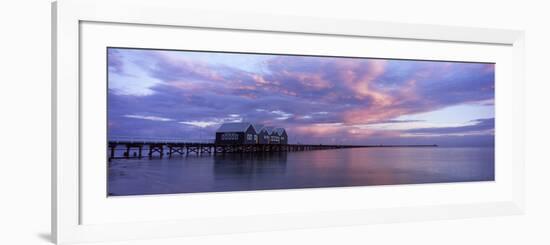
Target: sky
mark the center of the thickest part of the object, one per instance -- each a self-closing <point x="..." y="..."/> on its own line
<point x="169" y="94"/>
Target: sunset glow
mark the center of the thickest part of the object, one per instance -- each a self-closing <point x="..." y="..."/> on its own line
<point x="318" y="100"/>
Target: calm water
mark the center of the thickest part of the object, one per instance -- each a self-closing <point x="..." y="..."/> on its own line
<point x="308" y="169"/>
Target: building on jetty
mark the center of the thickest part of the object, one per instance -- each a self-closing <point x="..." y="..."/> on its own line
<point x="264" y="135"/>
<point x="281" y="135"/>
<point x="236" y="133"/>
<point x="247" y="133"/>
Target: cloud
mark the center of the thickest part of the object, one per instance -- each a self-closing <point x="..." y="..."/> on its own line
<point x="478" y="126"/>
<point x="281" y="115"/>
<point x="401" y="121"/>
<point x="152" y="118"/>
<point x="327" y="97"/>
<point x="202" y="124"/>
<point x="115" y="61"/>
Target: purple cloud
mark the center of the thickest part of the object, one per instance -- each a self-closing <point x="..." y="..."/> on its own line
<point x="115" y="62"/>
<point x="320" y="98"/>
<point x="479" y="126"/>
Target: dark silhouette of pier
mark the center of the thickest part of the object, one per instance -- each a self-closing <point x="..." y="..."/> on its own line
<point x="158" y="148"/>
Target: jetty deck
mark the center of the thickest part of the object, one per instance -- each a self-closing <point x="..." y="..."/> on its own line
<point x="169" y="148"/>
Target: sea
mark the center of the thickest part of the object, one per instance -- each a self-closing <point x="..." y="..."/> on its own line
<point x="303" y="169"/>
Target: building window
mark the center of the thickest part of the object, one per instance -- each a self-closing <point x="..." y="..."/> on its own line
<point x="249" y="136"/>
<point x="230" y="136"/>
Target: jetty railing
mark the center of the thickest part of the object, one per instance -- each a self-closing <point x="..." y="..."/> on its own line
<point x="138" y="148"/>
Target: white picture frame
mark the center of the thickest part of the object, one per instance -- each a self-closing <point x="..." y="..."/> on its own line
<point x="68" y="193"/>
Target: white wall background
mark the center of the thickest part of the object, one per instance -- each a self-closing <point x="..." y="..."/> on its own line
<point x="25" y="122"/>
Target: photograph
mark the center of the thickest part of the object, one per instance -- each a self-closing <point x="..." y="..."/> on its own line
<point x="202" y="121"/>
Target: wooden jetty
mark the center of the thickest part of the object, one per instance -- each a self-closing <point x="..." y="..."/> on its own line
<point x="156" y="148"/>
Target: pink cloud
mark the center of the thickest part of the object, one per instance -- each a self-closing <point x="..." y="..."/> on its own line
<point x="348" y="91"/>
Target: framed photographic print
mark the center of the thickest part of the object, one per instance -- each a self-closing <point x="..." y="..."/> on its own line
<point x="206" y="121"/>
<point x="172" y="122"/>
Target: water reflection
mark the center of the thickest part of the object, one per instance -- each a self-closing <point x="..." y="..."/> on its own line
<point x="307" y="169"/>
<point x="272" y="163"/>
